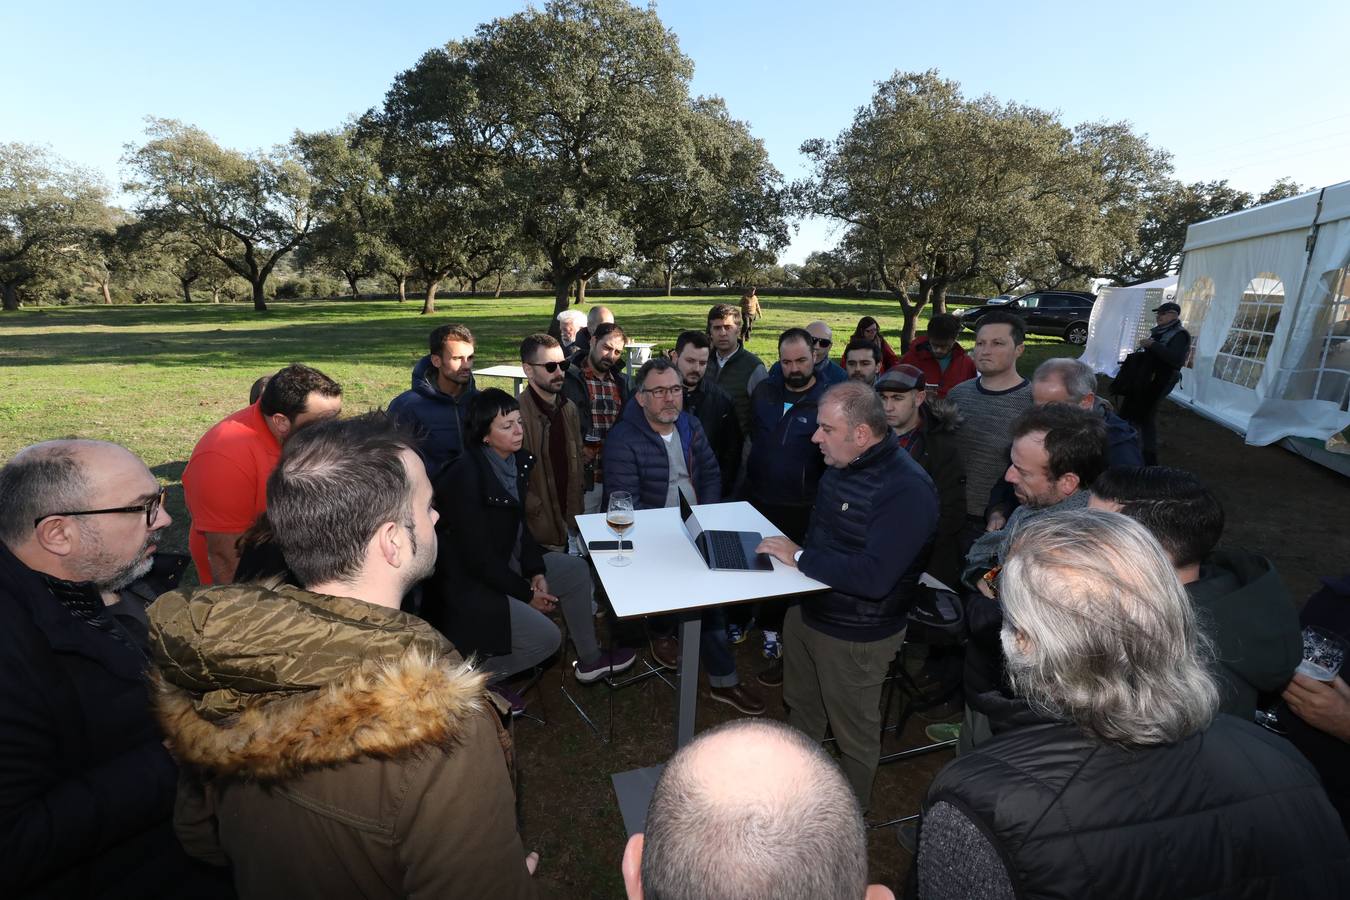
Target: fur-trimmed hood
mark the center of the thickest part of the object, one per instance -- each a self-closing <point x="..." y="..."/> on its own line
<point x="265" y="685"/>
<point x="942" y="415"/>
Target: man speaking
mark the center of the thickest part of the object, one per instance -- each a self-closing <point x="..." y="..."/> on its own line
<point x="871" y="529"/>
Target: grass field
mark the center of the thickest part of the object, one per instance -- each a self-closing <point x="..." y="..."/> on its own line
<point x="156" y="378"/>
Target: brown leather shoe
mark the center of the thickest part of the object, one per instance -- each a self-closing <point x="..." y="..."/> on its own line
<point x="741" y="697"/>
<point x="666" y="652"/>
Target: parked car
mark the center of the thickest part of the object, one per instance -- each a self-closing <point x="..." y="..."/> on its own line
<point x="999" y="300"/>
<point x="1055" y="313"/>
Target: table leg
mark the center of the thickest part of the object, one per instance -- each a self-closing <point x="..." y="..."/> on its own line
<point x="515" y="386"/>
<point x="691" y="626"/>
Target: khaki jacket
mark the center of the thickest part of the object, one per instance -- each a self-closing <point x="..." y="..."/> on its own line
<point x="339" y="749"/>
<point x="547" y="515"/>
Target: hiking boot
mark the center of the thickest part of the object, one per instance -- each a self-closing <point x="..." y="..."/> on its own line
<point x="610" y="662"/>
<point x="665" y="652"/>
<point x="773" y="645"/>
<point x="772" y="676"/>
<point x="943" y="731"/>
<point x="741" y="697"/>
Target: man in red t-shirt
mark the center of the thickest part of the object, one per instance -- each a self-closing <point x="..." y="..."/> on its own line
<point x="225" y="482"/>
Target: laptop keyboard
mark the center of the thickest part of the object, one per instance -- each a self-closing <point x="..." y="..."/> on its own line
<point x="727" y="551"/>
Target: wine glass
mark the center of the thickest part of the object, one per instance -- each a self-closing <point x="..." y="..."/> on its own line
<point x="619" y="518"/>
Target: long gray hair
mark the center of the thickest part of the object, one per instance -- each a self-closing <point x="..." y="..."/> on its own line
<point x="1099" y="631"/>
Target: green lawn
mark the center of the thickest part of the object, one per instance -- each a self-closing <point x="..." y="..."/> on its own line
<point x="155" y="378"/>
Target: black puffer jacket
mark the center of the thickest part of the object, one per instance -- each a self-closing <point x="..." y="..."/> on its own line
<point x="1231" y="812"/>
<point x="870" y="533"/>
<point x="480" y="523"/>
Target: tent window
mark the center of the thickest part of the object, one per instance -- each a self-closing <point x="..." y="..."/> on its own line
<point x="1242" y="358"/>
<point x="1323" y="368"/>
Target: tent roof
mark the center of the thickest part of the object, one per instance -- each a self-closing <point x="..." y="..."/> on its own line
<point x="1290" y="214"/>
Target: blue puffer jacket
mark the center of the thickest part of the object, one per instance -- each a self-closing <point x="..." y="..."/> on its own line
<point x="636" y="460"/>
<point x="436" y="419"/>
<point x="784" y="466"/>
<point x="871" y="531"/>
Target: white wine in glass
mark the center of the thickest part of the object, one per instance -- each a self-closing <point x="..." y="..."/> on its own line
<point x="619" y="518"/>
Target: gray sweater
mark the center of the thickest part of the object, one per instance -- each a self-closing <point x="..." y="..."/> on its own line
<point x="985" y="436"/>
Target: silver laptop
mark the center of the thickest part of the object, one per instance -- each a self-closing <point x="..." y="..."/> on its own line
<point x="725" y="551"/>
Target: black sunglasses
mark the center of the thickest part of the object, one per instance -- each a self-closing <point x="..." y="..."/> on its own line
<point x="551" y="367"/>
<point x="150" y="508"/>
<point x="821" y="342"/>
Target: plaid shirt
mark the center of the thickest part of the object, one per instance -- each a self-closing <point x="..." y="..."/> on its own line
<point x="603" y="393"/>
<point x="908" y="438"/>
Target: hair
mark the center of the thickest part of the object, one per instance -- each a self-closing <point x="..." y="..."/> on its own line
<point x="38" y="481"/>
<point x="530" y="347"/>
<point x="999" y="317"/>
<point x="655" y="364"/>
<point x="865" y="323"/>
<point x="440" y="336"/>
<point x="602" y="331"/>
<point x="944" y="327"/>
<point x="483" y="410"/>
<point x="1174" y="505"/>
<point x="256" y="390"/>
<point x="572" y="315"/>
<point x="1075" y="439"/>
<point x="698" y="338"/>
<point x="794" y="334"/>
<point x="720" y="311"/>
<point x="1078" y="378"/>
<point x="593" y="317"/>
<point x="748" y="293"/>
<point x="803" y="838"/>
<point x="289" y="389"/>
<point x="860" y="405"/>
<point x="337" y="483"/>
<point x="862" y="343"/>
<point x="1111" y="641"/>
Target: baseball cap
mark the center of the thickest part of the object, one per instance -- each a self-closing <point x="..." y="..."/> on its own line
<point x="1168" y="307"/>
<point x="899" y="379"/>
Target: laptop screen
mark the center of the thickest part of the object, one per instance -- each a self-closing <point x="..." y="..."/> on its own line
<point x="691" y="526"/>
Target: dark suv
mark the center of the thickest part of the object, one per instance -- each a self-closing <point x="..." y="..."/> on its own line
<point x="1056" y="313"/>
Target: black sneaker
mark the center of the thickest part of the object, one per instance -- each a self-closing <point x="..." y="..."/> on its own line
<point x="772" y="676"/>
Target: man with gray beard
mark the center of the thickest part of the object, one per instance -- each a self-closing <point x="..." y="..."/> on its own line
<point x="87" y="786"/>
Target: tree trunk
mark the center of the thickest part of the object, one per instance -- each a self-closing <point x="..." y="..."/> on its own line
<point x="11" y="296"/>
<point x="259" y="301"/>
<point x="402" y="288"/>
<point x="940" y="301"/>
<point x="473" y="285"/>
<point x="215" y="293"/>
<point x="562" y="295"/>
<point x="187" y="290"/>
<point x="429" y="304"/>
<point x="107" y="294"/>
<point x="670" y="281"/>
<point x="581" y="290"/>
<point x="498" y="292"/>
<point x="352" y="278"/>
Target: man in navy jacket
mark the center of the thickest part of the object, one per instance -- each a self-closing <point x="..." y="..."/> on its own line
<point x="442" y="386"/>
<point x="871" y="531"/>
<point x="656" y="452"/>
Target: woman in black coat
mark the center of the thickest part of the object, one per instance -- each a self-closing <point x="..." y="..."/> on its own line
<point x="493" y="585"/>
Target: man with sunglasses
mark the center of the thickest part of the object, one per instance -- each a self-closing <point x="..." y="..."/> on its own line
<point x="87" y="786"/>
<point x="553" y="436"/>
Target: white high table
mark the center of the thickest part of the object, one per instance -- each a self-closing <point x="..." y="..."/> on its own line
<point x="515" y="373"/>
<point x="667" y="575"/>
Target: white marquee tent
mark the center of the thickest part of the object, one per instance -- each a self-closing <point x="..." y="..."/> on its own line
<point x="1265" y="294"/>
<point x="1121" y="318"/>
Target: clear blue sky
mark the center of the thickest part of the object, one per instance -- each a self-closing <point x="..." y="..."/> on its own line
<point x="1248" y="91"/>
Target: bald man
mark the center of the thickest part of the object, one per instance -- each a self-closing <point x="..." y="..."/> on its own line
<point x="86" y="785"/>
<point x="751" y="808"/>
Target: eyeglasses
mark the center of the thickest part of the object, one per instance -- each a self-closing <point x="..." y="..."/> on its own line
<point x="149" y="508"/>
<point x="663" y="393"/>
<point x="551" y="367"/>
<point x="822" y="342"/>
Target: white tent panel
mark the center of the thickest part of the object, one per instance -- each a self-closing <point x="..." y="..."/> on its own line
<point x="1282" y="215"/>
<point x="1121" y="319"/>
